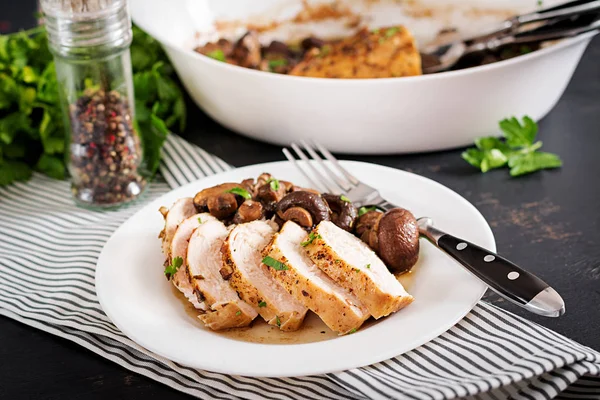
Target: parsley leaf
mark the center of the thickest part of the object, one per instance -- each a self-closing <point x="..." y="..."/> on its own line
<point x="274" y="183"/>
<point x="282" y="62"/>
<point x="273" y="263"/>
<point x="369" y="266"/>
<point x="353" y="330"/>
<point x="344" y="198"/>
<point x="518" y="150"/>
<point x="391" y="32"/>
<point x="240" y="192"/>
<point x="311" y="237"/>
<point x="262" y="304"/>
<point x="364" y="210"/>
<point x="517" y="134"/>
<point x="522" y="164"/>
<point x="238" y="313"/>
<point x="217" y="55"/>
<point x="171" y="270"/>
<point x="200" y="220"/>
<point x="278" y="321"/>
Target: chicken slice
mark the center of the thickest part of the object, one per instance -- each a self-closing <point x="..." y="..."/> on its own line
<point x="247" y="274"/>
<point x="382" y="53"/>
<point x="179" y="247"/>
<point x="353" y="265"/>
<point x="340" y="310"/>
<point x="204" y="262"/>
<point x="180" y="210"/>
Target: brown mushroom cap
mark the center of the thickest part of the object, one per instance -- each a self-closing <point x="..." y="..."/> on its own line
<point x="250" y="210"/>
<point x="367" y="222"/>
<point x="201" y="198"/>
<point x="223" y="205"/>
<point x="344" y="213"/>
<point x="299" y="215"/>
<point x="398" y="237"/>
<point x="311" y="202"/>
<point x="301" y="189"/>
<point x="269" y="197"/>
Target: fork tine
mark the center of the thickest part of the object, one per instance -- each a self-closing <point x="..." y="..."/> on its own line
<point x="335" y="162"/>
<point x="323" y="178"/>
<point x="291" y="158"/>
<point x="344" y="185"/>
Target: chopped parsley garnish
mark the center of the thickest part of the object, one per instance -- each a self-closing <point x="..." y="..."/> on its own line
<point x="274" y="184"/>
<point x="278" y="321"/>
<point x="391" y="32"/>
<point x="311" y="237"/>
<point x="356" y="270"/>
<point x="240" y="192"/>
<point x="217" y="55"/>
<point x="364" y="210"/>
<point x="199" y="220"/>
<point x="352" y="330"/>
<point x="375" y="31"/>
<point x="344" y="198"/>
<point x="273" y="263"/>
<point x="262" y="304"/>
<point x="171" y="270"/>
<point x="369" y="266"/>
<point x="338" y="261"/>
<point x="238" y="313"/>
<point x="518" y="150"/>
<point x="282" y="62"/>
<point x="324" y="50"/>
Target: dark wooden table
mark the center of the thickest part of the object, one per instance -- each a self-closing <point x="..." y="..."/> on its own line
<point x="548" y="222"/>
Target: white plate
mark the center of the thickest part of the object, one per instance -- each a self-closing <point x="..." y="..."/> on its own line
<point x="136" y="296"/>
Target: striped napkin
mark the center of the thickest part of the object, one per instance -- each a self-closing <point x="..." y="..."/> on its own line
<point x="48" y="253"/>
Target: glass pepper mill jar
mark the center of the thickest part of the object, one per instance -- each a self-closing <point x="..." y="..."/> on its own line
<point x="90" y="42"/>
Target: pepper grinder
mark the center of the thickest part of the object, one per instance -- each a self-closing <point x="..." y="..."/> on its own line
<point x="90" y="41"/>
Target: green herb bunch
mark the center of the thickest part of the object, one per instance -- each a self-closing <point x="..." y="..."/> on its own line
<point x="32" y="133"/>
<point x="517" y="149"/>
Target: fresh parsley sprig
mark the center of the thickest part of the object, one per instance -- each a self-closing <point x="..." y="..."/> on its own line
<point x="171" y="269"/>
<point x="311" y="237"/>
<point x="517" y="149"/>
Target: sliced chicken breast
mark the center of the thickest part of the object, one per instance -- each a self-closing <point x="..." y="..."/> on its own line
<point x="250" y="278"/>
<point x="353" y="265"/>
<point x="340" y="310"/>
<point x="180" y="210"/>
<point x="204" y="262"/>
<point x="179" y="246"/>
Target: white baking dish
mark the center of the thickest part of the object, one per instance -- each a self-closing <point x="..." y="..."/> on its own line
<point x="373" y="116"/>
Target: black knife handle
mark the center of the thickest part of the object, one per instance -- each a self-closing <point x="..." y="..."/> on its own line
<point x="501" y="275"/>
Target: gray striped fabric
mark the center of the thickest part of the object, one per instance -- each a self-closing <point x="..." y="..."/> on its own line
<point x="48" y="251"/>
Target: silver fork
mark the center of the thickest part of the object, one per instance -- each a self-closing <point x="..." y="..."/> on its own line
<point x="504" y="277"/>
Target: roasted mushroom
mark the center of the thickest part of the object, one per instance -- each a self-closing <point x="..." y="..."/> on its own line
<point x="247" y="51"/>
<point x="269" y="193"/>
<point x="367" y="226"/>
<point x="250" y="210"/>
<point x="223" y="205"/>
<point x="201" y="198"/>
<point x="301" y="189"/>
<point x="394" y="236"/>
<point x="305" y="208"/>
<point x="343" y="212"/>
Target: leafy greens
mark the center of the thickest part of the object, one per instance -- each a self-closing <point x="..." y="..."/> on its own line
<point x="518" y="149"/>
